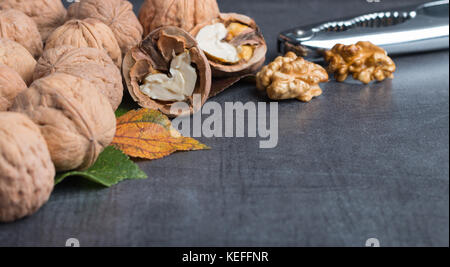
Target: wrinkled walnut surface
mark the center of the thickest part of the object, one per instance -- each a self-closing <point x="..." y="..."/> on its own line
<point x="291" y="77"/>
<point x="154" y="55"/>
<point x="18" y="58"/>
<point x="364" y="61"/>
<point x="117" y="14"/>
<point x="11" y="84"/>
<point x="48" y="14"/>
<point x="17" y="26"/>
<point x="86" y="33"/>
<point x="26" y="170"/>
<point x="185" y="14"/>
<point x="91" y="64"/>
<point x="75" y="119"/>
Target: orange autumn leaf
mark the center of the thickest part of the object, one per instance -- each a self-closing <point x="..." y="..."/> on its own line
<point x="149" y="134"/>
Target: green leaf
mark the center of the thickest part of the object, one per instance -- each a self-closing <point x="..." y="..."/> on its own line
<point x="112" y="167"/>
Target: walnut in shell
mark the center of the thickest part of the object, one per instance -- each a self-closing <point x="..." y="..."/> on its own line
<point x="234" y="46"/>
<point x="91" y="64"/>
<point x="48" y="14"/>
<point x="75" y="119"/>
<point x="26" y="170"/>
<point x="18" y="58"/>
<point x="364" y="60"/>
<point x="11" y="84"/>
<point x="86" y="33"/>
<point x="17" y="26"/>
<point x="167" y="67"/>
<point x="185" y="14"/>
<point x="291" y="77"/>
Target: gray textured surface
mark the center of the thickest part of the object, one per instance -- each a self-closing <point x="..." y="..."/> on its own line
<point x="358" y="162"/>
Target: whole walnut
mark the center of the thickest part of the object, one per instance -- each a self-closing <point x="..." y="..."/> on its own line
<point x="117" y="14"/>
<point x="86" y="33"/>
<point x="75" y="119"/>
<point x="18" y="58"/>
<point x="91" y="64"/>
<point x="11" y="84"/>
<point x="180" y="13"/>
<point x="48" y="14"/>
<point x="26" y="170"/>
<point x="17" y="26"/>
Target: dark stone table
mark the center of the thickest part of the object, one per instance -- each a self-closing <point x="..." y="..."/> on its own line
<point x="359" y="162"/>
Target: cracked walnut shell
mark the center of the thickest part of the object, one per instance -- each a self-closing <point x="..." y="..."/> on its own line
<point x="18" y="58"/>
<point x="291" y="77"/>
<point x="26" y="170"/>
<point x="117" y="14"/>
<point x="11" y="84"/>
<point x="17" y="26"/>
<point x="86" y="33"/>
<point x="91" y="64"/>
<point x="48" y="14"/>
<point x="75" y="119"/>
<point x="364" y="60"/>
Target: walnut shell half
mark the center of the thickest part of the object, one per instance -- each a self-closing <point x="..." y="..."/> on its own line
<point x="86" y="33"/>
<point x="26" y="170"/>
<point x="11" y="84"/>
<point x="91" y="64"/>
<point x="117" y="14"/>
<point x="48" y="14"/>
<point x="75" y="119"/>
<point x="16" y="57"/>
<point x="185" y="14"/>
<point x="17" y="26"/>
<point x="154" y="55"/>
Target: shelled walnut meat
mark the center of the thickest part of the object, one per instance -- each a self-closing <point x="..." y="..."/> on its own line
<point x="17" y="26"/>
<point x="86" y="33"/>
<point x="117" y="14"/>
<point x="75" y="119"/>
<point x="185" y="14"/>
<point x="167" y="67"/>
<point x="91" y="64"/>
<point x="26" y="170"/>
<point x="291" y="77"/>
<point x="364" y="61"/>
<point x="48" y="14"/>
<point x="11" y="84"/>
<point x="18" y="58"/>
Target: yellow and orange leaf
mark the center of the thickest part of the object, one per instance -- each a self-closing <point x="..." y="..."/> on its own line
<point x="149" y="134"/>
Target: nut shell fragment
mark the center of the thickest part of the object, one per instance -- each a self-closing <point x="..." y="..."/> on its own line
<point x="26" y="170"/>
<point x="17" y="26"/>
<point x="154" y="55"/>
<point x="91" y="64"/>
<point x="86" y="33"/>
<point x="75" y="119"/>
<point x="364" y="61"/>
<point x="11" y="84"/>
<point x="117" y="14"/>
<point x="291" y="77"/>
<point x="16" y="57"/>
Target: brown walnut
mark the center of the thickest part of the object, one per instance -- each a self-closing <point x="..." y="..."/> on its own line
<point x="291" y="77"/>
<point x="154" y="56"/>
<point x="91" y="64"/>
<point x="117" y="14"/>
<point x="17" y="26"/>
<point x="26" y="170"/>
<point x="11" y="84"/>
<point x="18" y="58"/>
<point x="75" y="119"/>
<point x="364" y="61"/>
<point x="86" y="33"/>
<point x="48" y="14"/>
<point x="185" y="14"/>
